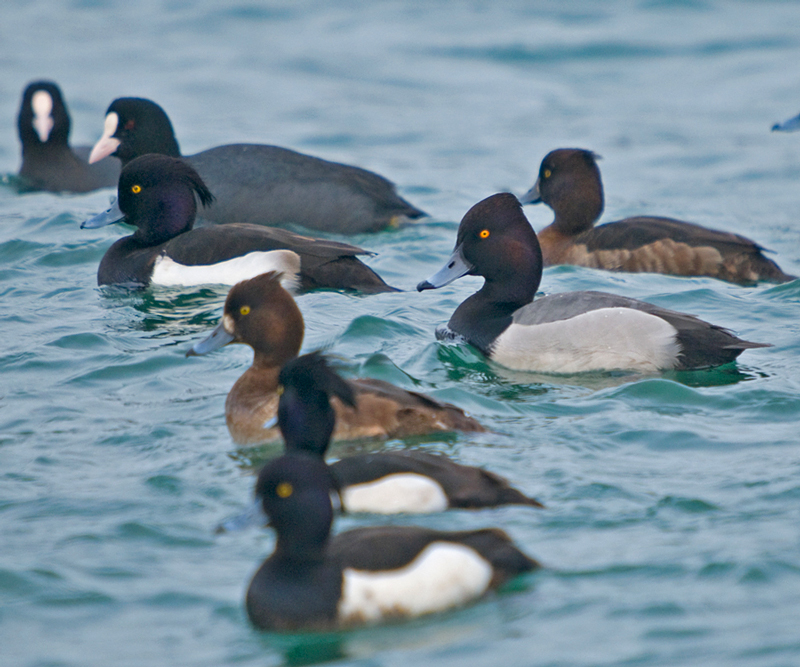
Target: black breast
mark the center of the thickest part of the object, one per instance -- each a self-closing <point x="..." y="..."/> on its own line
<point x="289" y="596"/>
<point x="127" y="262"/>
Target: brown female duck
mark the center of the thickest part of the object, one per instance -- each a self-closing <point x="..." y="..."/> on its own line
<point x="569" y="183"/>
<point x="261" y="314"/>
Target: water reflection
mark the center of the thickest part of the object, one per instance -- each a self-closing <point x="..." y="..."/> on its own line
<point x="468" y="625"/>
<point x="308" y="649"/>
<point x="465" y="363"/>
<point x="167" y="311"/>
<point x="251" y="458"/>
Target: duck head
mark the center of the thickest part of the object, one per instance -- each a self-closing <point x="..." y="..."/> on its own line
<point x="569" y="183"/>
<point x="156" y="194"/>
<point x="305" y="415"/>
<point x="294" y="493"/>
<point x="496" y="241"/>
<point x="260" y="313"/>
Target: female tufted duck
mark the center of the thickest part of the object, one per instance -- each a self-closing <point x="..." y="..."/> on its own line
<point x="569" y="183"/>
<point x="380" y="482"/>
<point x="261" y="314"/>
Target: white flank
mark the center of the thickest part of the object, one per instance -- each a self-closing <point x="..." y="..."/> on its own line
<point x="401" y="492"/>
<point x="42" y="105"/>
<point x="603" y="339"/>
<point x="168" y="272"/>
<point x="107" y="144"/>
<point x="444" y="575"/>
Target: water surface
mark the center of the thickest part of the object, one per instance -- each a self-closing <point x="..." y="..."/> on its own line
<point x="673" y="500"/>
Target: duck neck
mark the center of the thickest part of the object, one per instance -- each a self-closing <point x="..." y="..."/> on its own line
<point x="512" y="283"/>
<point x="487" y="313"/>
<point x="304" y="542"/>
<point x="299" y="554"/>
<point x="575" y="220"/>
<point x="579" y="208"/>
<point x="274" y="358"/>
<point x="264" y="375"/>
<point x="509" y="285"/>
<point x="171" y="217"/>
<point x="506" y="296"/>
<point x="306" y="422"/>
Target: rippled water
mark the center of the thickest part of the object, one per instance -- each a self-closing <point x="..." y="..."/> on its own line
<point x="671" y="534"/>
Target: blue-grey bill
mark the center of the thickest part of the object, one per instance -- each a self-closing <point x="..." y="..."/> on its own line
<point x="532" y="196"/>
<point x="455" y="267"/>
<point x="215" y="340"/>
<point x="108" y="217"/>
<point x="252" y="517"/>
<point x="271" y="423"/>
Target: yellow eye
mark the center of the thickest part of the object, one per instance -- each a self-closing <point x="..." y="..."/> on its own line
<point x="244" y="310"/>
<point x="547" y="173"/>
<point x="484" y="234"/>
<point x="284" y="490"/>
<point x="136" y="189"/>
<point x="279" y="390"/>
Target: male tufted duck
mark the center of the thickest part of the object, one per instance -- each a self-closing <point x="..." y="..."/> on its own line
<point x="260" y="313"/>
<point x="313" y="581"/>
<point x="380" y="482"/>
<point x="157" y="196"/>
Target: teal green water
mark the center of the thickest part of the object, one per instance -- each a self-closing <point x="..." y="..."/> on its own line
<point x="671" y="533"/>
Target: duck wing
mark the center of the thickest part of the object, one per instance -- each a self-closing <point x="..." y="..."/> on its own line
<point x="323" y="263"/>
<point x="665" y="245"/>
<point x="464" y="486"/>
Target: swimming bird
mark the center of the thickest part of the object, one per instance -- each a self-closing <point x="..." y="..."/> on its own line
<point x="564" y="333"/>
<point x="260" y="313"/>
<point x="381" y="482"/>
<point x="315" y="581"/>
<point x="791" y="125"/>
<point x="48" y="161"/>
<point x="569" y="183"/>
<point x="261" y="184"/>
<point x="157" y="196"/>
